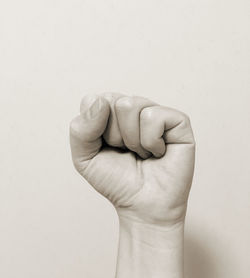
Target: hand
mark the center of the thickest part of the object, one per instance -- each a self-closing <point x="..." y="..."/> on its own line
<point x="138" y="154"/>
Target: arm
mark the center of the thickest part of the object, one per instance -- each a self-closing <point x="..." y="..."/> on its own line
<point x="150" y="251"/>
<point x="145" y="169"/>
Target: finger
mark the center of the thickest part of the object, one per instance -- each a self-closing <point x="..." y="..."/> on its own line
<point x="128" y="111"/>
<point x="112" y="134"/>
<point x="87" y="128"/>
<point x="162" y="125"/>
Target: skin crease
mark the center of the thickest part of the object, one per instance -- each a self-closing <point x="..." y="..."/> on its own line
<point x="140" y="156"/>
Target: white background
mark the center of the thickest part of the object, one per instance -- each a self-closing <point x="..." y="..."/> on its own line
<point x="192" y="55"/>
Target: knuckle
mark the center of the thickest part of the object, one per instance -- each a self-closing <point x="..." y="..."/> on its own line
<point x="111" y="97"/>
<point x="125" y="103"/>
<point x="185" y="119"/>
<point x="147" y="114"/>
<point x="181" y="117"/>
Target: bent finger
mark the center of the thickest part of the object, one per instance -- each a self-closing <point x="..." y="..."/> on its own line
<point x="128" y="111"/>
<point x="162" y="125"/>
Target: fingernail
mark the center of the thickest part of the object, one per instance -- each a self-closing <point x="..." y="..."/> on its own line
<point x="95" y="108"/>
<point x="90" y="107"/>
<point x="87" y="102"/>
<point x="145" y="155"/>
<point x="158" y="155"/>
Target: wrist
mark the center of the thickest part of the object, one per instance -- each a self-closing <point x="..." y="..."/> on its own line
<point x="150" y="250"/>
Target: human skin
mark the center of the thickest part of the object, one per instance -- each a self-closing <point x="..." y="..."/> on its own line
<point x="140" y="156"/>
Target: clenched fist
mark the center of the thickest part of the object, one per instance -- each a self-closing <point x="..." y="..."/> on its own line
<point x="139" y="155"/>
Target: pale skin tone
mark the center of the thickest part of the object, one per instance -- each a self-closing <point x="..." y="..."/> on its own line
<point x="140" y="156"/>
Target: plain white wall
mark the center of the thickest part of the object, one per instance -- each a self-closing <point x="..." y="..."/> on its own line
<point x="193" y="55"/>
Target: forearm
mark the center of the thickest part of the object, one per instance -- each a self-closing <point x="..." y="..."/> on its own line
<point x="150" y="251"/>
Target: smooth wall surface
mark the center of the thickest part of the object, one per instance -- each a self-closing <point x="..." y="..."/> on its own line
<point x="192" y="55"/>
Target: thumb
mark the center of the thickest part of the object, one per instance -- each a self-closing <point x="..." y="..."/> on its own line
<point x="86" y="130"/>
